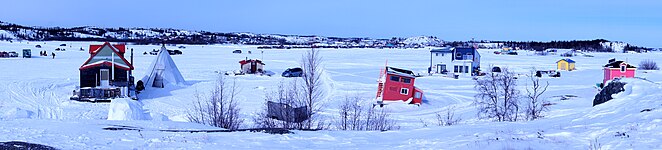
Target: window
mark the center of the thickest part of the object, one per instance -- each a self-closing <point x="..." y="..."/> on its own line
<point x="455" y="69"/>
<point x="404" y="91"/>
<point x="443" y="68"/>
<point x="622" y="68"/>
<point x="395" y="78"/>
<point x="461" y="69"/>
<point x="437" y="54"/>
<point x="417" y="95"/>
<point x="105" y="75"/>
<point x="466" y="69"/>
<point x="406" y="80"/>
<point x="458" y="56"/>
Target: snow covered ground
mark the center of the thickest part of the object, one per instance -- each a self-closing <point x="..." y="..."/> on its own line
<point x="34" y="105"/>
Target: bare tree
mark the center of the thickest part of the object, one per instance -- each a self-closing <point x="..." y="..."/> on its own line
<point x="648" y="65"/>
<point x="535" y="105"/>
<point x="448" y="118"/>
<point x="220" y="109"/>
<point x="353" y="116"/>
<point x="312" y="86"/>
<point x="307" y="94"/>
<point x="497" y="96"/>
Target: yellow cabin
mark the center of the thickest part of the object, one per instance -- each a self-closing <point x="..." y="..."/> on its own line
<point x="565" y="64"/>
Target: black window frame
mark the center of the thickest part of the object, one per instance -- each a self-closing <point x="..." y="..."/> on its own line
<point x="397" y="78"/>
<point x="405" y="80"/>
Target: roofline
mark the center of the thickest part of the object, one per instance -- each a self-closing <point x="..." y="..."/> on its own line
<point x="114" y="51"/>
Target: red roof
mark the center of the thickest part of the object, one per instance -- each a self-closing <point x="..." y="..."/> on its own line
<point x="115" y="49"/>
<point x="120" y="47"/>
<point x="242" y="62"/>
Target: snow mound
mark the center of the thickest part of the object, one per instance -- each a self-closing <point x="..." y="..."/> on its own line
<point x="127" y="109"/>
<point x="18" y="113"/>
<point x="638" y="96"/>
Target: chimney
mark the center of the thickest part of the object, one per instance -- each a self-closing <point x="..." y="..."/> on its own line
<point x="612" y="60"/>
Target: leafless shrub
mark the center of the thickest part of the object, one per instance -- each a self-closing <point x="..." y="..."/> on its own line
<point x="353" y="116"/>
<point x="350" y="114"/>
<point x="448" y="118"/>
<point x="595" y="145"/>
<point x="220" y="109"/>
<point x="535" y="105"/>
<point x="498" y="97"/>
<point x="648" y="65"/>
<point x="380" y="119"/>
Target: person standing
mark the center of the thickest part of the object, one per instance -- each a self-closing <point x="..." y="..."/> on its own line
<point x="53" y="55"/>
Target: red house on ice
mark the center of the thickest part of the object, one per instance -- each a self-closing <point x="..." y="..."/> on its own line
<point x="105" y="67"/>
<point x="251" y="66"/>
<point x="397" y="84"/>
<point x="618" y="69"/>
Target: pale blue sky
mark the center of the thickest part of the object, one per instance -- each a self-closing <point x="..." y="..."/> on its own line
<point x="638" y="21"/>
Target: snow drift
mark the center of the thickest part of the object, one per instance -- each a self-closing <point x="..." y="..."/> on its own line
<point x="127" y="109"/>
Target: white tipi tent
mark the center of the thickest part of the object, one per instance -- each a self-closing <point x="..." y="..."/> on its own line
<point x="162" y="71"/>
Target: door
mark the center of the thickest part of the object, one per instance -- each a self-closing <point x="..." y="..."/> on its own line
<point x="105" y="77"/>
<point x="158" y="79"/>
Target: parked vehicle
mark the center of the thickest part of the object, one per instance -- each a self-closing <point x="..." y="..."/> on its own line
<point x="237" y="51"/>
<point x="512" y="53"/>
<point x="182" y="47"/>
<point x="174" y="52"/>
<point x="293" y="72"/>
<point x="496" y="69"/>
<point x="37" y="46"/>
<point x="63" y="44"/>
<point x="154" y="52"/>
<point x="13" y="54"/>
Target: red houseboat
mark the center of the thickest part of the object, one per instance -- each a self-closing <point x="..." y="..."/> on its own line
<point x="397" y="85"/>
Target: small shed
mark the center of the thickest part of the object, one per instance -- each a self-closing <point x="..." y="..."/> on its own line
<point x="565" y="64"/>
<point x="251" y="66"/>
<point x="27" y="53"/>
<point x="397" y="84"/>
<point x="618" y="69"/>
<point x="285" y="112"/>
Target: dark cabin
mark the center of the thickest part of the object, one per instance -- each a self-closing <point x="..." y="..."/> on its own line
<point x="98" y="69"/>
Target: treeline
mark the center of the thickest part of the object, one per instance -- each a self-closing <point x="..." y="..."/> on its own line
<point x="136" y="35"/>
<point x="587" y="45"/>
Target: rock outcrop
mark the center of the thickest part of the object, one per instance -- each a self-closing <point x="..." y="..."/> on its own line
<point x="605" y="95"/>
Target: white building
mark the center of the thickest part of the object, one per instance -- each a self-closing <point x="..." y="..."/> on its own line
<point x="441" y="60"/>
<point x="458" y="61"/>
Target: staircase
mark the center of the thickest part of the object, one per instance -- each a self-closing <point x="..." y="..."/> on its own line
<point x="380" y="88"/>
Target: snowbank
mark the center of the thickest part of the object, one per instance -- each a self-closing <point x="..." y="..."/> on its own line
<point x="127" y="109"/>
<point x="18" y="113"/>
